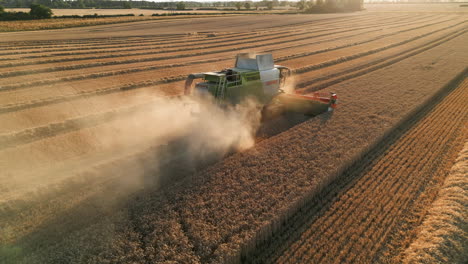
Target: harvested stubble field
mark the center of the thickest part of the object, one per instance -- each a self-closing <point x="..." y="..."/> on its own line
<point x="81" y="158"/>
<point x="59" y="23"/>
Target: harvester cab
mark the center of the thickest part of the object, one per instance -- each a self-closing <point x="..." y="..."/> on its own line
<point x="256" y="76"/>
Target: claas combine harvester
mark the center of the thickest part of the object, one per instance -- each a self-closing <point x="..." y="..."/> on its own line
<point x="256" y="76"/>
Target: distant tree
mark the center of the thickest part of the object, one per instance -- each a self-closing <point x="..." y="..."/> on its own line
<point x="40" y="11"/>
<point x="180" y="6"/>
<point x="2" y="10"/>
<point x="80" y="4"/>
<point x="247" y="5"/>
<point x="17" y="3"/>
<point x="238" y="5"/>
<point x="354" y="5"/>
<point x="126" y="5"/>
<point x="301" y="5"/>
<point x="269" y="5"/>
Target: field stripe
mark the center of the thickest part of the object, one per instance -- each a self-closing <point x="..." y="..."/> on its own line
<point x="372" y="66"/>
<point x="74" y="67"/>
<point x="84" y="94"/>
<point x="199" y="40"/>
<point x="103" y="91"/>
<point x="54" y="129"/>
<point x="392" y="186"/>
<point x="225" y="43"/>
<point x="132" y="70"/>
<point x="220" y="38"/>
<point x="29" y="135"/>
<point x="170" y="39"/>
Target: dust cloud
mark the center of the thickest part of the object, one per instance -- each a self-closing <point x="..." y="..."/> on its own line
<point x="195" y="129"/>
<point x="158" y="142"/>
<point x="290" y="85"/>
<point x="140" y="141"/>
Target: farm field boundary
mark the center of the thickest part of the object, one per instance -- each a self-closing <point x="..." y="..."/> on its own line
<point x="65" y="23"/>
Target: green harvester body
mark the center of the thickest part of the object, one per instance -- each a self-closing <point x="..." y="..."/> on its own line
<point x="257" y="77"/>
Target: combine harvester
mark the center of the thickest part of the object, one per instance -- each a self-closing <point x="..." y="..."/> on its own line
<point x="256" y="76"/>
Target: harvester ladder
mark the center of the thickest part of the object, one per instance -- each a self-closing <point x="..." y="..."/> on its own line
<point x="220" y="91"/>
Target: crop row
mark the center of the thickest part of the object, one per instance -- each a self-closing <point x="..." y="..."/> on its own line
<point x="141" y="69"/>
<point x="189" y="37"/>
<point x="361" y="70"/>
<point x="337" y="77"/>
<point x="51" y="130"/>
<point x="29" y="84"/>
<point x="302" y="36"/>
<point x="156" y="45"/>
<point x="442" y="230"/>
<point x="143" y="45"/>
<point x="326" y="228"/>
<point x="95" y="92"/>
<point x="68" y="125"/>
<point x="131" y="70"/>
<point x="110" y="73"/>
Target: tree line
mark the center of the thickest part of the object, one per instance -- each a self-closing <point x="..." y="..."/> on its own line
<point x="37" y="11"/>
<point x="143" y="4"/>
<point x="330" y="6"/>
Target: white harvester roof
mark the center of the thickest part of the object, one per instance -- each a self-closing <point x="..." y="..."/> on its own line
<point x="259" y="62"/>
